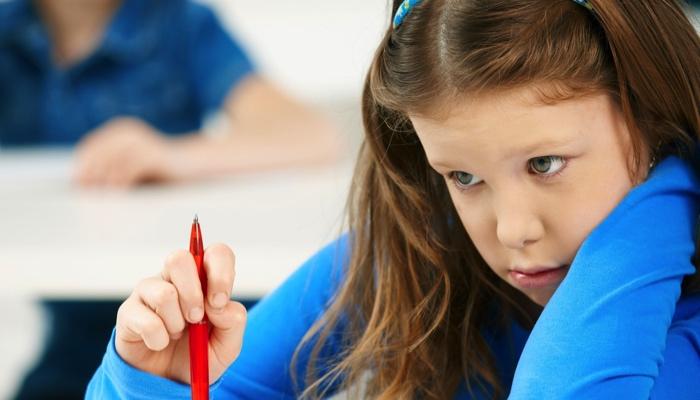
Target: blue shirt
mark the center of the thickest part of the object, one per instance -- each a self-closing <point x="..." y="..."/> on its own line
<point x="615" y="328"/>
<point x="168" y="63"/>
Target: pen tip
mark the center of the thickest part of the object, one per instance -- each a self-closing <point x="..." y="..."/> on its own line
<point x="196" y="219"/>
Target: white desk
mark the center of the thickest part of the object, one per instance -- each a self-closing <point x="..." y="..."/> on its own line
<point x="61" y="241"/>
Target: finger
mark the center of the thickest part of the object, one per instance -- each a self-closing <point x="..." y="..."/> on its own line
<point x="228" y="325"/>
<point x="119" y="176"/>
<point x="80" y="174"/>
<point x="85" y="165"/>
<point x="118" y="163"/>
<point x="99" y="174"/>
<point x="101" y="155"/>
<point x="114" y="166"/>
<point x="219" y="263"/>
<point x="133" y="172"/>
<point x="181" y="270"/>
<point x="92" y="167"/>
<point x="94" y="174"/>
<point x="130" y="173"/>
<point x="136" y="322"/>
<point x="161" y="297"/>
<point x="85" y="148"/>
<point x="90" y="145"/>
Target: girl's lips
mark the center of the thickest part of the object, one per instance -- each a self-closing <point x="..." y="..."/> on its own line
<point x="538" y="277"/>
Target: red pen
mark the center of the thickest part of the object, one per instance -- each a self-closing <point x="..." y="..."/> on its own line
<point x="199" y="332"/>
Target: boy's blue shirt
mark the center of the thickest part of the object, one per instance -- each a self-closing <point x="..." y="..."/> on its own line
<point x="615" y="328"/>
<point x="169" y="63"/>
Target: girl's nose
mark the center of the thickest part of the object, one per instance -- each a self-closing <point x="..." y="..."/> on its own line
<point x="517" y="225"/>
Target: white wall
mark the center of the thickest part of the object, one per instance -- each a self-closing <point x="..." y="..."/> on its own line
<point x="319" y="50"/>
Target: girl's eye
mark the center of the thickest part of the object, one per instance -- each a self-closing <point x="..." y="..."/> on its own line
<point x="547" y="165"/>
<point x="464" y="180"/>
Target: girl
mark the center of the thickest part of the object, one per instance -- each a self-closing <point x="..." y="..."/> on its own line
<point x="518" y="155"/>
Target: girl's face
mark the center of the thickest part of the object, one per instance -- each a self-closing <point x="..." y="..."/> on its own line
<point x="530" y="181"/>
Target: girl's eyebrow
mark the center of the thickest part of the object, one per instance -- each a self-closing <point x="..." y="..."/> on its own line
<point x="439" y="164"/>
<point x="530" y="148"/>
<point x="546" y="143"/>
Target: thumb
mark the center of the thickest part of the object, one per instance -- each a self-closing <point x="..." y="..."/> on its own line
<point x="226" y="336"/>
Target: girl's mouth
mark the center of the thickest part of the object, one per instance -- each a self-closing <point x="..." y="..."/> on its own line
<point x="537" y="277"/>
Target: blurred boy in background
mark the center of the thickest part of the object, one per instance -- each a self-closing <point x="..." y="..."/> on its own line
<point x="130" y="83"/>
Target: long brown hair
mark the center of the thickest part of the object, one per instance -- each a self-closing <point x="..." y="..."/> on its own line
<point x="417" y="297"/>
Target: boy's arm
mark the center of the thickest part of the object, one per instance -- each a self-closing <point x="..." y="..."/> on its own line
<point x="262" y="128"/>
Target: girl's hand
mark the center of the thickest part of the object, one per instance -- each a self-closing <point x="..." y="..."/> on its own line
<point x="151" y="332"/>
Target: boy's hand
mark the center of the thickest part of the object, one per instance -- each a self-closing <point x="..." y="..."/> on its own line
<point x="121" y="153"/>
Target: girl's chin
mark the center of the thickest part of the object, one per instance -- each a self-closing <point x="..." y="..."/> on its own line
<point x="540" y="296"/>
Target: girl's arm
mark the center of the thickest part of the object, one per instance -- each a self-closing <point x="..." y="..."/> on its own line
<point x="680" y="370"/>
<point x="604" y="332"/>
<point x="274" y="328"/>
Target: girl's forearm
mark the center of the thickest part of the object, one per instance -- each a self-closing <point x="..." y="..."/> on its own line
<point x="603" y="333"/>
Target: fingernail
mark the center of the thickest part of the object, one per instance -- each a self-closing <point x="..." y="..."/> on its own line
<point x="219" y="300"/>
<point x="196" y="314"/>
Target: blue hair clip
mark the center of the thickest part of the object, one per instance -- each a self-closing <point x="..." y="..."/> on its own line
<point x="584" y="3"/>
<point x="403" y="11"/>
<point x="407" y="5"/>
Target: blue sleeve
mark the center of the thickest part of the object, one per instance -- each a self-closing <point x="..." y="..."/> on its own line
<point x="274" y="328"/>
<point x="604" y="332"/>
<point x="680" y="371"/>
<point x="115" y="379"/>
<point x="216" y="62"/>
<point x="277" y="324"/>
